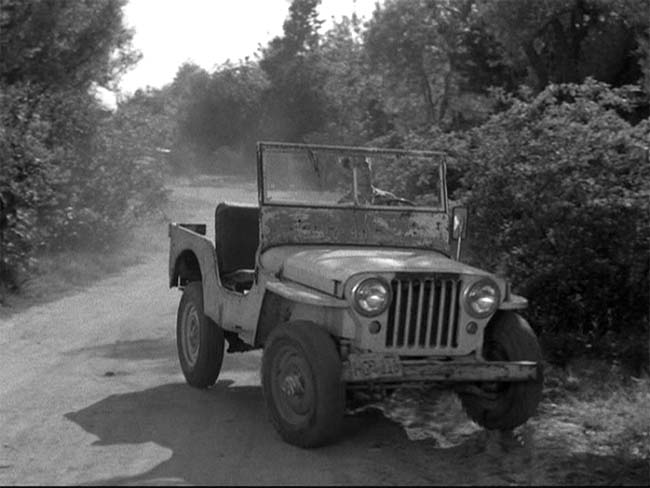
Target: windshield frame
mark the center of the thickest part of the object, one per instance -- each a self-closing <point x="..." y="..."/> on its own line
<point x="351" y="151"/>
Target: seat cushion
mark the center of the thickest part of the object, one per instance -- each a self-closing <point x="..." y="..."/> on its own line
<point x="239" y="280"/>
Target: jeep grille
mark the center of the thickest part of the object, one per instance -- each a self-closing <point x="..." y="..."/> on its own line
<point x="424" y="313"/>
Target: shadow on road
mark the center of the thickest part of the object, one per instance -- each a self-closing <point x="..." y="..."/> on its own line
<point x="223" y="436"/>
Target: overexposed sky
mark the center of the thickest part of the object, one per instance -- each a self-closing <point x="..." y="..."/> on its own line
<point x="209" y="32"/>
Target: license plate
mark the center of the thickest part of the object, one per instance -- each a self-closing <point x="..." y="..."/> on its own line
<point x="371" y="366"/>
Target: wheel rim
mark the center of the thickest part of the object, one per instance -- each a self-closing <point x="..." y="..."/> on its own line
<point x="291" y="385"/>
<point x="190" y="334"/>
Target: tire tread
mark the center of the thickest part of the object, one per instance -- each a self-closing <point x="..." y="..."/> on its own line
<point x="320" y="349"/>
<point x="211" y="349"/>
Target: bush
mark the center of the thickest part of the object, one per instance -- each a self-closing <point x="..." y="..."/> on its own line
<point x="559" y="189"/>
<point x="70" y="171"/>
<point x="72" y="174"/>
<point x="28" y="168"/>
<point x="559" y="192"/>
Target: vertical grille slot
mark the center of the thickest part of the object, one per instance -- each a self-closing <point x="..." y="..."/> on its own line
<point x="423" y="313"/>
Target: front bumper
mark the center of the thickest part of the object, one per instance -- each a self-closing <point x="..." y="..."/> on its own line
<point x="377" y="368"/>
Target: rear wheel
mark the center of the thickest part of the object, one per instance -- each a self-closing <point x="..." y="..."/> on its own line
<point x="302" y="386"/>
<point x="200" y="342"/>
<point x="504" y="405"/>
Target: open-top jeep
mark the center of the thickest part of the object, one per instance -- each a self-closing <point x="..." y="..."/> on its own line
<point x="349" y="287"/>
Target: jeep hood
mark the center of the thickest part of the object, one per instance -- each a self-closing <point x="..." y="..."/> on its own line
<point x="327" y="269"/>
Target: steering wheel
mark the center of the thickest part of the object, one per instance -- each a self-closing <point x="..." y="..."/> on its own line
<point x="394" y="202"/>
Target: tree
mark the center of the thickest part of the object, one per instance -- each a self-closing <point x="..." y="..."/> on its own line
<point x="218" y="110"/>
<point x="295" y="103"/>
<point x="356" y="110"/>
<point x="401" y="41"/>
<point x="66" y="44"/>
<point x="644" y="60"/>
<point x="566" y="41"/>
<point x="436" y="58"/>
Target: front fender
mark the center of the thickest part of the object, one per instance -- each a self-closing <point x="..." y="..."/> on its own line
<point x="183" y="240"/>
<point x="288" y="301"/>
<point x="514" y="302"/>
<point x="302" y="294"/>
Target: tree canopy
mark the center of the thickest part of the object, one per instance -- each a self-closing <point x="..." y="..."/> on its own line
<point x="71" y="173"/>
<point x="64" y="44"/>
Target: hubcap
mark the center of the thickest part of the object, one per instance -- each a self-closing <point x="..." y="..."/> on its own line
<point x="292" y="389"/>
<point x="191" y="334"/>
<point x="292" y="385"/>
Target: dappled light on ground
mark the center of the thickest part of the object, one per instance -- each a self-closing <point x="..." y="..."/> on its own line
<point x="428" y="414"/>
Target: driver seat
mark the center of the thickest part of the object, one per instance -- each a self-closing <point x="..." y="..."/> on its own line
<point x="236" y="240"/>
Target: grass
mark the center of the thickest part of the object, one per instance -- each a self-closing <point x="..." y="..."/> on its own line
<point x="595" y="421"/>
<point x="592" y="428"/>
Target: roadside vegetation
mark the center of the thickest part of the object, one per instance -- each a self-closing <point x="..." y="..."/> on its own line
<point x="593" y="427"/>
<point x="74" y="175"/>
<point x="542" y="107"/>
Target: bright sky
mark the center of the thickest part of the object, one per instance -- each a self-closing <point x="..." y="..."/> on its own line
<point x="209" y="32"/>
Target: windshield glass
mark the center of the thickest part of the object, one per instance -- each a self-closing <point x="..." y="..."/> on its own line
<point x="331" y="176"/>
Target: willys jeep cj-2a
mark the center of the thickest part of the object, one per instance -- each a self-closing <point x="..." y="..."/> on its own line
<point x="348" y="287"/>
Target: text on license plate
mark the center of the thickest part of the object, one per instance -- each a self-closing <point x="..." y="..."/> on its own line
<point x="370" y="366"/>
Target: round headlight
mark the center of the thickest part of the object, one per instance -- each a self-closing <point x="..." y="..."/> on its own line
<point x="371" y="296"/>
<point x="482" y="298"/>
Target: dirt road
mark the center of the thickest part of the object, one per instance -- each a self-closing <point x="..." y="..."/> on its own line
<point x="91" y="393"/>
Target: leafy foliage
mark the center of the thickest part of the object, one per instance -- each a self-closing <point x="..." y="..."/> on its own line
<point x="64" y="44"/>
<point x="566" y="41"/>
<point x="565" y="181"/>
<point x="215" y="111"/>
<point x="72" y="173"/>
<point x="559" y="189"/>
<point x="427" y="50"/>
<point x="354" y="93"/>
<point x="294" y="102"/>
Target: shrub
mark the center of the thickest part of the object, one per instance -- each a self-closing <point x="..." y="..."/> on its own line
<point x="28" y="168"/>
<point x="72" y="174"/>
<point x="559" y="191"/>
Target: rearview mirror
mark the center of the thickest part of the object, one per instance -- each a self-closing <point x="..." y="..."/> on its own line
<point x="459" y="223"/>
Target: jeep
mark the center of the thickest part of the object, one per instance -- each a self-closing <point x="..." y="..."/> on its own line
<point x="350" y="287"/>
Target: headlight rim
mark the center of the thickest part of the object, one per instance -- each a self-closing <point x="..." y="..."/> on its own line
<point x="355" y="302"/>
<point x="481" y="282"/>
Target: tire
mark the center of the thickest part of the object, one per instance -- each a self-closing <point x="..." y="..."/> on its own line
<point x="302" y="386"/>
<point x="200" y="342"/>
<point x="508" y="337"/>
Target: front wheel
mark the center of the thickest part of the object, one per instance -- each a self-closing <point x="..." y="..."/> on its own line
<point x="301" y="382"/>
<point x="200" y="342"/>
<point x="504" y="405"/>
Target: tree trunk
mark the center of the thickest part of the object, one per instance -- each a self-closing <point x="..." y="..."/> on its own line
<point x="428" y="96"/>
<point x="536" y="64"/>
<point x="444" y="98"/>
